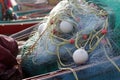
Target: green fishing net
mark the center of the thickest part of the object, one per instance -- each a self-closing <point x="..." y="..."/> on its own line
<point x="92" y="26"/>
<point x="113" y="5"/>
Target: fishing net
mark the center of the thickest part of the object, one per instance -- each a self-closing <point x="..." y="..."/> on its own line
<point x="92" y="28"/>
<point x="113" y="5"/>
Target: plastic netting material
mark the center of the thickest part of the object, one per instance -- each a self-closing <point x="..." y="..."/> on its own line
<point x="45" y="49"/>
<point x="113" y="5"/>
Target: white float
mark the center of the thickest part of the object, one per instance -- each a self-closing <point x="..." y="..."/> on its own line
<point x="42" y="28"/>
<point x="80" y="56"/>
<point x="66" y="27"/>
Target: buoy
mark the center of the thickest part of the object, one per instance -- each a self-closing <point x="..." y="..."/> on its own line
<point x="84" y="36"/>
<point x="41" y="28"/>
<point x="66" y="27"/>
<point x="80" y="56"/>
<point x="104" y="31"/>
<point x="72" y="41"/>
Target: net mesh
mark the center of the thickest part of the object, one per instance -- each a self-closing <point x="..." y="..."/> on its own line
<point x="93" y="28"/>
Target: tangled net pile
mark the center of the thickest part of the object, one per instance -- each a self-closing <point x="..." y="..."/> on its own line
<point x="52" y="47"/>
